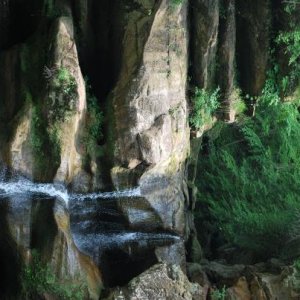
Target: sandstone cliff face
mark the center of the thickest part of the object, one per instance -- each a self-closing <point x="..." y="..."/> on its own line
<point x="150" y="111"/>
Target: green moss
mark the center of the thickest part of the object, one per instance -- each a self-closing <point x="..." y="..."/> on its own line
<point x="38" y="137"/>
<point x="94" y="126"/>
<point x="45" y="143"/>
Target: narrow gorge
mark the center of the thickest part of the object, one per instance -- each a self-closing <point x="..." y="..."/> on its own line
<point x="149" y="149"/>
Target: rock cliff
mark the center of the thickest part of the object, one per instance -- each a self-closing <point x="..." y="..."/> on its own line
<point x="96" y="95"/>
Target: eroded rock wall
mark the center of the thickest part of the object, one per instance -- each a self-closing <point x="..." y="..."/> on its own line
<point x="142" y="59"/>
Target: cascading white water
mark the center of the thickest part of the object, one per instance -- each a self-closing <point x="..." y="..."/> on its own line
<point x="25" y="186"/>
<point x="105" y="241"/>
<point x="99" y="226"/>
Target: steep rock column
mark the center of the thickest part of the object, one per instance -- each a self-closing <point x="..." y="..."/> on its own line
<point x="150" y="112"/>
<point x="66" y="61"/>
<point x="204" y="40"/>
<point x="253" y="41"/>
<point x="226" y="58"/>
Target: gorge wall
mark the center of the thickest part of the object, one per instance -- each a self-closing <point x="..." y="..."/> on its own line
<point x="95" y="95"/>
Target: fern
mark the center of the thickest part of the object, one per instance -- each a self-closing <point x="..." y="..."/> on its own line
<point x="249" y="182"/>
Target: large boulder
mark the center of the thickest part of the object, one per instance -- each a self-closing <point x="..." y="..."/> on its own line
<point x="161" y="282"/>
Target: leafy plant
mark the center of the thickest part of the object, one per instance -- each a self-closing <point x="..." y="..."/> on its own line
<point x="204" y="104"/>
<point x="65" y="82"/>
<point x="290" y="40"/>
<point x="63" y="93"/>
<point x="37" y="278"/>
<point x="219" y="294"/>
<point x="290" y="6"/>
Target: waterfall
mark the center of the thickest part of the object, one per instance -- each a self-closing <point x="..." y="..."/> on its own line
<point x="24" y="186"/>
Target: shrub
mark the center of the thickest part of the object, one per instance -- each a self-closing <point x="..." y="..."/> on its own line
<point x="204" y="105"/>
<point x="249" y="177"/>
<point x="37" y="278"/>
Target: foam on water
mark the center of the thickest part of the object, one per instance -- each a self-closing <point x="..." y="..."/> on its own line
<point x="115" y="194"/>
<point x="108" y="240"/>
<point x="24" y="186"/>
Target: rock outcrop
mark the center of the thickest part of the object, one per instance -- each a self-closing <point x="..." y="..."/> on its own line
<point x="160" y="282"/>
<point x="151" y="96"/>
<point x="272" y="280"/>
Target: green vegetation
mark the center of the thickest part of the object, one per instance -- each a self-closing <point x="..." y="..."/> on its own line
<point x="65" y="81"/>
<point x="249" y="171"/>
<point x="290" y="41"/>
<point x="176" y="2"/>
<point x="44" y="140"/>
<point x="204" y="105"/>
<point x="250" y="177"/>
<point x="63" y="93"/>
<point x="95" y="119"/>
<point x="37" y="278"/>
<point x="37" y="137"/>
<point x="238" y="105"/>
<point x="219" y="294"/>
